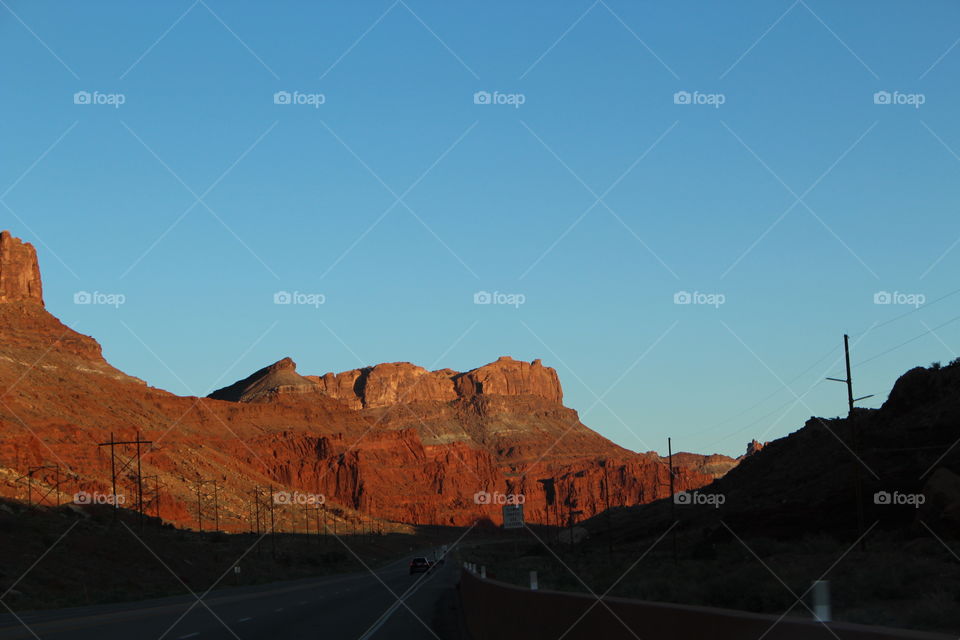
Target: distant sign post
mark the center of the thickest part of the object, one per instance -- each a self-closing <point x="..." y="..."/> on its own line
<point x="513" y="516"/>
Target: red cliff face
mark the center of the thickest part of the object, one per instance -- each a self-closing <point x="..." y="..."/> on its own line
<point x="395" y="440"/>
<point x="19" y="271"/>
<point x="387" y="384"/>
<point x="404" y="383"/>
<point x="281" y="377"/>
<point x="509" y="377"/>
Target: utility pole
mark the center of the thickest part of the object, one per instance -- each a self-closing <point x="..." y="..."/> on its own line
<point x="139" y="483"/>
<point x="43" y="497"/>
<point x="216" y="508"/>
<point x="306" y="520"/>
<point x="156" y="492"/>
<point x="256" y="508"/>
<point x="855" y="437"/>
<point x="113" y="475"/>
<point x="673" y="500"/>
<point x="318" y="523"/>
<point x="216" y="504"/>
<point x="113" y="471"/>
<point x="273" y="534"/>
<point x="199" y="512"/>
<point x="606" y="496"/>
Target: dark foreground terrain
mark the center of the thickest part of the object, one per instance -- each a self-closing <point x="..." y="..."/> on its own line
<point x="385" y="603"/>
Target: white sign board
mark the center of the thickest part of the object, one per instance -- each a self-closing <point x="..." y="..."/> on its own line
<point x="513" y="516"/>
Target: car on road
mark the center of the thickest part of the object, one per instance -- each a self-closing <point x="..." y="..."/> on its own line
<point x="419" y="565"/>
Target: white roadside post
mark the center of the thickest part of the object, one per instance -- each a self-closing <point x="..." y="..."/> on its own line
<point x="533" y="581"/>
<point x="821" y="600"/>
<point x="483" y="572"/>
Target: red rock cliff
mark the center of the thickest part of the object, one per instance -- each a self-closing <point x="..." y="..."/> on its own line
<point x="19" y="271"/>
<point x="509" y="377"/>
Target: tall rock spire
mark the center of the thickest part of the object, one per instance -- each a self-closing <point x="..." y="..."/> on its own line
<point x="19" y="271"/>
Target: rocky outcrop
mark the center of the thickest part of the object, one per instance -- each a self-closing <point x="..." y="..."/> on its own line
<point x="922" y="386"/>
<point x="394" y="383"/>
<point x="281" y="377"/>
<point x="402" y="382"/>
<point x="714" y="466"/>
<point x="387" y="384"/>
<point x="19" y="271"/>
<point x="755" y="446"/>
<point x="509" y="377"/>
<point x="342" y="386"/>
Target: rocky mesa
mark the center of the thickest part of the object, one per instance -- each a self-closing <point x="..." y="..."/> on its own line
<point x="393" y="441"/>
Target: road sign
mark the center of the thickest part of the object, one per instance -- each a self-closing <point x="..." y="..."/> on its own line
<point x="513" y="516"/>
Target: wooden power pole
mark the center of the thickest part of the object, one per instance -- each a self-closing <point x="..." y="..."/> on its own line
<point x="855" y="437"/>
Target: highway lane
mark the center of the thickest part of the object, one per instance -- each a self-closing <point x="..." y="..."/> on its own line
<point x="353" y="606"/>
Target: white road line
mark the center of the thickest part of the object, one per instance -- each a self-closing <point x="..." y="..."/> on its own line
<point x="244" y="619"/>
<point x="189" y="635"/>
<point x="396" y="605"/>
<point x="278" y="610"/>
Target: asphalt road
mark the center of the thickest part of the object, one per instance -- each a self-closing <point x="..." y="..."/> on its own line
<point x="351" y="606"/>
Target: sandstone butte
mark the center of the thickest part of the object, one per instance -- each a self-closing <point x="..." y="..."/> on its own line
<point x="394" y="441"/>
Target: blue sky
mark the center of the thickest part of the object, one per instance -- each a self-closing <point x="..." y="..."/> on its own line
<point x="788" y="206"/>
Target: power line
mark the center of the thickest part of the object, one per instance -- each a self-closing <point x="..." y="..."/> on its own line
<point x="902" y="344"/>
<point x="912" y="311"/>
<point x="824" y="357"/>
<point x="772" y="394"/>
